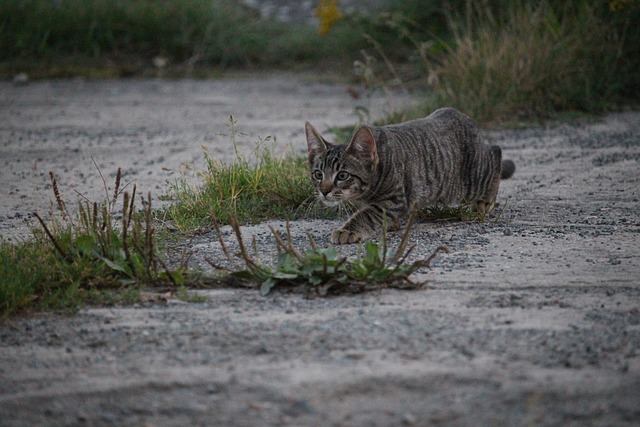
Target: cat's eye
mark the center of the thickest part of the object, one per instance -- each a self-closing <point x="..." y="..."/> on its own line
<point x="343" y="176"/>
<point x="317" y="175"/>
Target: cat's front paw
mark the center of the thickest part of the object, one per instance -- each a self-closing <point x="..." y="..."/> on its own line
<point x="342" y="236"/>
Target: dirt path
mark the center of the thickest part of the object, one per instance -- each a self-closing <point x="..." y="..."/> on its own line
<point x="533" y="319"/>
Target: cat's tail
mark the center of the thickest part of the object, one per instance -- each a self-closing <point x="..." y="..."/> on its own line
<point x="508" y="168"/>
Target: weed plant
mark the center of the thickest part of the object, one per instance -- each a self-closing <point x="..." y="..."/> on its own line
<point x="322" y="271"/>
<point x="85" y="258"/>
<point x="441" y="213"/>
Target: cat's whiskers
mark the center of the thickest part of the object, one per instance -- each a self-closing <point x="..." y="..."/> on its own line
<point x="310" y="206"/>
<point x="347" y="208"/>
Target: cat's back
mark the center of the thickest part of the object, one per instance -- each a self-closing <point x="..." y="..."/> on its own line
<point x="451" y="120"/>
<point x="443" y="126"/>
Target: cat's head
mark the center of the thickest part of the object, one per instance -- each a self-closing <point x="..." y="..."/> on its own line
<point x="341" y="172"/>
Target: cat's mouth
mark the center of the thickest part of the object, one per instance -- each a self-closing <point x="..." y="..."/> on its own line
<point x="331" y="204"/>
<point x="329" y="200"/>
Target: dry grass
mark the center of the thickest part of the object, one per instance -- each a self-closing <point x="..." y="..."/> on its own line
<point x="524" y="60"/>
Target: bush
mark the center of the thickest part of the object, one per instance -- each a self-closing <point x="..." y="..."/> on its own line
<point x="128" y="34"/>
<point x="214" y="31"/>
<point x="505" y="59"/>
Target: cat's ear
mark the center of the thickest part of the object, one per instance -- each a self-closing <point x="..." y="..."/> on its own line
<point x="363" y="145"/>
<point x="316" y="144"/>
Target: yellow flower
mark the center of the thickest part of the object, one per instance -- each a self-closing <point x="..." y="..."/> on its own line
<point x="328" y="11"/>
<point x="619" y="4"/>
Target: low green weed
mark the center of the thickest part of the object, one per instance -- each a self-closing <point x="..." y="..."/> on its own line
<point x="322" y="271"/>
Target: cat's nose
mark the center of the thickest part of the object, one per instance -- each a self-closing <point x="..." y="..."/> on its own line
<point x="325" y="188"/>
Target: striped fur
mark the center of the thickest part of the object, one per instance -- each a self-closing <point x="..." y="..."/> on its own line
<point x="391" y="170"/>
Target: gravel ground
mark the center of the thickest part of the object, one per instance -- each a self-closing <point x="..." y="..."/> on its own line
<point x="532" y="319"/>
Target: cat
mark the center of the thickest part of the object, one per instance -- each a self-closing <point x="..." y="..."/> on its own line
<point x="392" y="170"/>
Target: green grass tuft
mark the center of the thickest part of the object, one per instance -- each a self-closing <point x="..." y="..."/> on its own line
<point x="265" y="188"/>
<point x="23" y="269"/>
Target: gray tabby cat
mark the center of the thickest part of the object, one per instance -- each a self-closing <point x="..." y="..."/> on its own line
<point x="393" y="169"/>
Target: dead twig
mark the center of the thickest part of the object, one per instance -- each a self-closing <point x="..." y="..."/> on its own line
<point x="56" y="245"/>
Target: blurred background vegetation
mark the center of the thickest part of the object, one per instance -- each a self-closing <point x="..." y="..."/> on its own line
<point x="494" y="59"/>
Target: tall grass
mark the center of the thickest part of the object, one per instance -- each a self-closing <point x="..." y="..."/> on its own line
<point x="530" y="62"/>
<point x="124" y="36"/>
<point x="212" y="31"/>
<point x="507" y="59"/>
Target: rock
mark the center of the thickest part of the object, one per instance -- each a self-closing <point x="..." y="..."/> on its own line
<point x="21" y="79"/>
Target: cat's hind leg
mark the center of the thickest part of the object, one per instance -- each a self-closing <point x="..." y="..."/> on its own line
<point x="483" y="207"/>
<point x="487" y="200"/>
